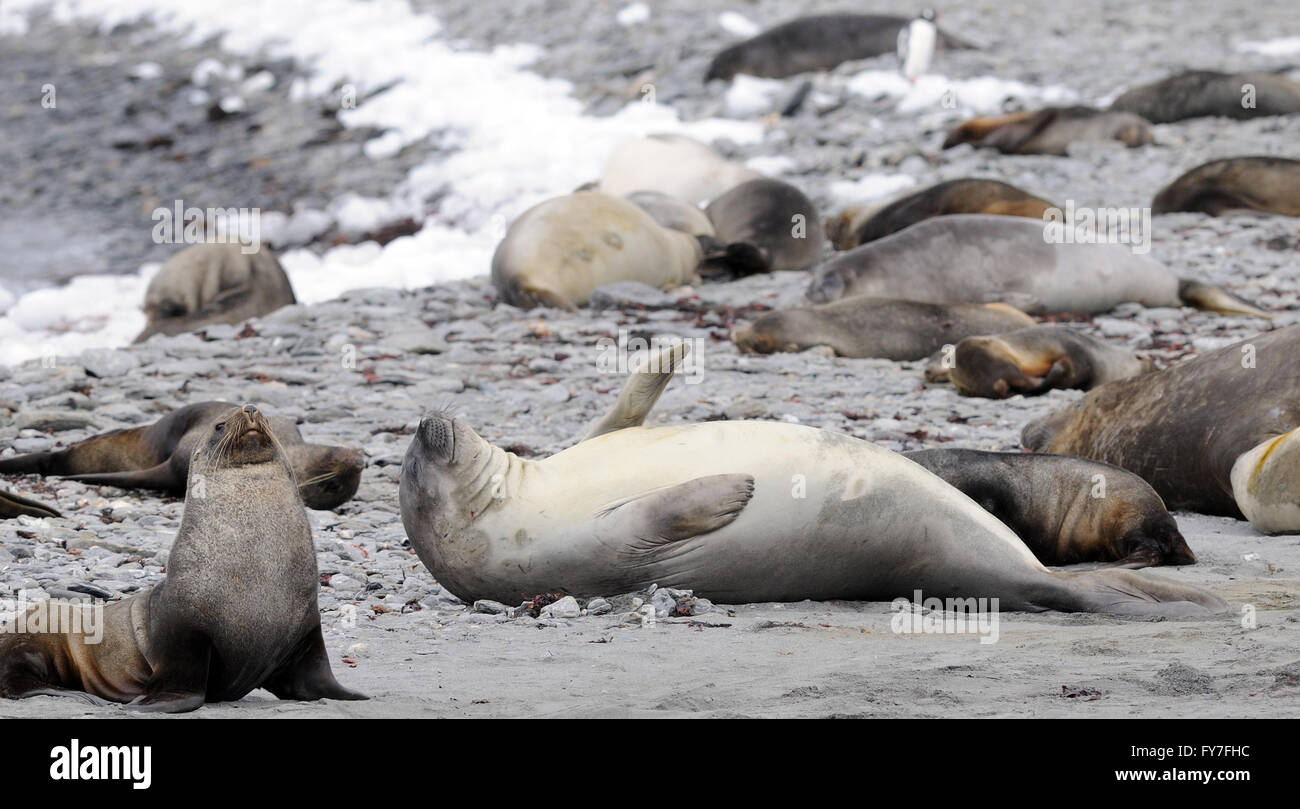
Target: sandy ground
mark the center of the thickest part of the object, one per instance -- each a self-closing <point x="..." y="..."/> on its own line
<point x="529" y="381"/>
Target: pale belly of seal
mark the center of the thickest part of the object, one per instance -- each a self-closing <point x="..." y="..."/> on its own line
<point x="831" y="517"/>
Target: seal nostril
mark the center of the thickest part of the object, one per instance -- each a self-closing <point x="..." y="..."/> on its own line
<point x="250" y="409"/>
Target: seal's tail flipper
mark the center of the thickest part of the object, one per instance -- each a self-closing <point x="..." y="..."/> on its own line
<point x="640" y="392"/>
<point x="161" y="477"/>
<point x="1216" y="299"/>
<point x="1124" y="592"/>
<point x="11" y="505"/>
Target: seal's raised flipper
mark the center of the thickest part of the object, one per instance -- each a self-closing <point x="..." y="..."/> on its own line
<point x="307" y="676"/>
<point x="639" y="394"/>
<point x="683" y="511"/>
<point x="1216" y="299"/>
<point x="1124" y="592"/>
<point x="161" y="477"/>
<point x="1266" y="484"/>
<point x="11" y="505"/>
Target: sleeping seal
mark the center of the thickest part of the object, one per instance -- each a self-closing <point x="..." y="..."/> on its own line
<point x="1268" y="184"/>
<point x="1067" y="510"/>
<point x="236" y="611"/>
<point x="775" y="220"/>
<point x="1032" y="361"/>
<point x="1217" y="434"/>
<point x="978" y="258"/>
<point x="1198" y="93"/>
<point x="860" y="224"/>
<point x="877" y="327"/>
<point x="675" y="165"/>
<point x="560" y="250"/>
<point x="739" y="511"/>
<point x="158" y="457"/>
<point x="818" y="42"/>
<point x="214" y="283"/>
<point x="1050" y="130"/>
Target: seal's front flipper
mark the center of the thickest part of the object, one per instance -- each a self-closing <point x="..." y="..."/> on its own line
<point x="11" y="505"/>
<point x="307" y="676"/>
<point x="686" y="510"/>
<point x="180" y="682"/>
<point x="161" y="477"/>
<point x="1266" y="484"/>
<point x="641" y="391"/>
<point x="1216" y="299"/>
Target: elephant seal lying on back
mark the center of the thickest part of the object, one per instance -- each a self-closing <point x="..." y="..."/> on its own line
<point x="236" y="611"/>
<point x="1199" y="93"/>
<point x="976" y="258"/>
<point x="711" y="507"/>
<point x="158" y="457"/>
<point x="214" y="283"/>
<point x="1217" y="434"/>
<point x="1268" y="184"/>
<point x="1051" y="130"/>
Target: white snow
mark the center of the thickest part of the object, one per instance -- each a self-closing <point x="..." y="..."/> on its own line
<point x="738" y="24"/>
<point x="870" y="188"/>
<point x="634" y="14"/>
<point x="1271" y="47"/>
<point x="983" y="94"/>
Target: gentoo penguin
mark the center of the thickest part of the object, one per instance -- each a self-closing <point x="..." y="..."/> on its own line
<point x="916" y="42"/>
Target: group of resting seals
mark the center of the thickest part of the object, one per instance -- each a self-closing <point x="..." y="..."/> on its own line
<point x="236" y="611"/>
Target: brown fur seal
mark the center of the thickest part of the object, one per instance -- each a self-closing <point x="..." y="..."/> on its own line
<point x="861" y="224"/>
<point x="1217" y="434"/>
<point x="11" y="505"/>
<point x="1032" y="361"/>
<point x="818" y="42"/>
<point x="877" y="327"/>
<point x="978" y="258"/>
<point x="1067" y="510"/>
<point x="236" y="611"/>
<point x="556" y="253"/>
<point x="214" y="283"/>
<point x="1269" y="184"/>
<point x="1200" y="93"/>
<point x="776" y="221"/>
<point x="710" y="507"/>
<point x="1050" y="130"/>
<point x="675" y="165"/>
<point x="158" y="457"/>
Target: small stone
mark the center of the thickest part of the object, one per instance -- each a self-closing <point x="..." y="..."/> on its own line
<point x="106" y="363"/>
<point x="566" y="607"/>
<point x="489" y="607"/>
<point x="599" y="606"/>
<point x="341" y="582"/>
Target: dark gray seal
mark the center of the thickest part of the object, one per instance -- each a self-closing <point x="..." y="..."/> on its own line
<point x="1199" y="93"/>
<point x="1266" y="184"/>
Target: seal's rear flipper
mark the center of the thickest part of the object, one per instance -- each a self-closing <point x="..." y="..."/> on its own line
<point x="1216" y="299"/>
<point x="1266" y="484"/>
<point x="737" y="260"/>
<point x="34" y="463"/>
<point x="161" y="477"/>
<point x="640" y="392"/>
<point x="11" y="505"/>
<point x="180" y="682"/>
<point x="680" y="512"/>
<point x="1124" y="592"/>
<point x="46" y="690"/>
<point x="307" y="675"/>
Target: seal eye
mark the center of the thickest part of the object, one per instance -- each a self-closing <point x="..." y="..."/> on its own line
<point x="220" y="426"/>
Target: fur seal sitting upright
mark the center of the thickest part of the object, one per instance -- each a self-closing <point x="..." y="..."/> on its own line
<point x="877" y="327"/>
<point x="978" y="258"/>
<point x="557" y="252"/>
<point x="158" y="457"/>
<point x="710" y="507"/>
<point x="860" y="224"/>
<point x="675" y="165"/>
<point x="1033" y="361"/>
<point x="1199" y="93"/>
<point x="771" y="220"/>
<point x="214" y="283"/>
<point x="1067" y="510"/>
<point x="1050" y="130"/>
<point x="818" y="42"/>
<point x="11" y="505"/>
<point x="1269" y="184"/>
<point x="236" y="611"/>
<point x="1217" y="434"/>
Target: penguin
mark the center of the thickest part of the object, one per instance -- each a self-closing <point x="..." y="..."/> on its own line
<point x="916" y="42"/>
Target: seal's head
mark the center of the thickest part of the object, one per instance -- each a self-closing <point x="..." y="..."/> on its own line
<point x="242" y="438"/>
<point x="329" y="476"/>
<point x="829" y="283"/>
<point x="1156" y="542"/>
<point x="446" y="477"/>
